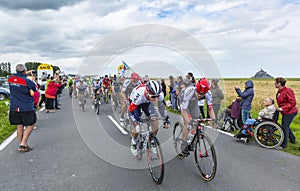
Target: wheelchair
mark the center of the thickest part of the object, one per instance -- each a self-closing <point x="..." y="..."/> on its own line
<point x="267" y="132"/>
<point x="228" y="123"/>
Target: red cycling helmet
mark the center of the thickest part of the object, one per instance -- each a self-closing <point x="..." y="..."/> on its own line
<point x="202" y="86"/>
<point x="134" y="76"/>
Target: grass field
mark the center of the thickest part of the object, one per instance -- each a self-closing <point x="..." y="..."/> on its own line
<point x="263" y="88"/>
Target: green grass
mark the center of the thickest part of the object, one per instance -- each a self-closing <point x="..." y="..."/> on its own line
<point x="5" y="128"/>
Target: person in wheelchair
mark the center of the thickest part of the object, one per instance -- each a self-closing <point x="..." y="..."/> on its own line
<point x="265" y="114"/>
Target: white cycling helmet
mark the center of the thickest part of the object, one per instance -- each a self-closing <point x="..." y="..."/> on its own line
<point x="153" y="88"/>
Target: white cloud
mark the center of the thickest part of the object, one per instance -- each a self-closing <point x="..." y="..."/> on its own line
<point x="237" y="33"/>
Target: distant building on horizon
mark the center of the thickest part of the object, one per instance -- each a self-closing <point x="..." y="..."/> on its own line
<point x="262" y="74"/>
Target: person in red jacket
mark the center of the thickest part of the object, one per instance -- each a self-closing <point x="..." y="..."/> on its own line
<point x="287" y="106"/>
<point x="50" y="94"/>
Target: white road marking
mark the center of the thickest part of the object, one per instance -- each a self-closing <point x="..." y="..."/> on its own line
<point x="220" y="131"/>
<point x="117" y="124"/>
<point x="8" y="140"/>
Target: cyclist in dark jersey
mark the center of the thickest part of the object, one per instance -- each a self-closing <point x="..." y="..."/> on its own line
<point x="126" y="90"/>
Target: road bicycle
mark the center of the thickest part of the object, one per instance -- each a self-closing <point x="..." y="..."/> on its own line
<point x="199" y="142"/>
<point x="82" y="100"/>
<point x="70" y="91"/>
<point x="107" y="95"/>
<point x="148" y="143"/>
<point x="97" y="103"/>
<point x="117" y="102"/>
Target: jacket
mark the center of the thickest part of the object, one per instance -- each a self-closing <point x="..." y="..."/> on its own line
<point x="51" y="90"/>
<point x="217" y="95"/>
<point x="267" y="112"/>
<point x="247" y="95"/>
<point x="287" y="101"/>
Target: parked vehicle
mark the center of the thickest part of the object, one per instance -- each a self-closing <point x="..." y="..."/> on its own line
<point x="4" y="93"/>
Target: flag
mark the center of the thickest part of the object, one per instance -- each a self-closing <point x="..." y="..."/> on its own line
<point x="126" y="67"/>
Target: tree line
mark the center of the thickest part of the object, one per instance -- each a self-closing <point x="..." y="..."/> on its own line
<point x="5" y="68"/>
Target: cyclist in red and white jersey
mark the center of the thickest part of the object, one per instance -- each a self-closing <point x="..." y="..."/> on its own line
<point x="143" y="98"/>
<point x="189" y="106"/>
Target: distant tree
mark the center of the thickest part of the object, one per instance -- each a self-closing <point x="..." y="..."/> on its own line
<point x="34" y="66"/>
<point x="5" y="69"/>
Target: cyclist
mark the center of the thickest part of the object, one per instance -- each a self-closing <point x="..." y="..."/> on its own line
<point x="70" y="86"/>
<point x="106" y="84"/>
<point x="116" y="88"/>
<point x="95" y="86"/>
<point x="189" y="105"/>
<point x="142" y="98"/>
<point x="81" y="87"/>
<point x="127" y="88"/>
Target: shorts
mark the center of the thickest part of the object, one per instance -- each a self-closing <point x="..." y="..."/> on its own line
<point x="26" y="118"/>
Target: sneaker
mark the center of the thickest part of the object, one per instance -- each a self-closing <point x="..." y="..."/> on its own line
<point x="153" y="147"/>
<point x="279" y="148"/>
<point x="93" y="106"/>
<point x="80" y="103"/>
<point x="133" y="149"/>
<point x="240" y="135"/>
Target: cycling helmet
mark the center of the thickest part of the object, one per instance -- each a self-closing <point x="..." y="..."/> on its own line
<point x="134" y="76"/>
<point x="153" y="88"/>
<point x="202" y="86"/>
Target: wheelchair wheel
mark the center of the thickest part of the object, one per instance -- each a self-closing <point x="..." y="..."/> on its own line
<point x="268" y="134"/>
<point x="238" y="123"/>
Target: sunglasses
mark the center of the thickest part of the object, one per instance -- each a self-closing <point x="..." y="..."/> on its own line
<point x="152" y="96"/>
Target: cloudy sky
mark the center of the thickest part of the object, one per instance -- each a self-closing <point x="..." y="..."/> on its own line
<point x="242" y="36"/>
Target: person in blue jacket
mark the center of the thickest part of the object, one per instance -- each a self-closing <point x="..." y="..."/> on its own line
<point x="247" y="97"/>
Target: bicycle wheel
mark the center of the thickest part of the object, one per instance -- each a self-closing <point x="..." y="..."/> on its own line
<point x="98" y="109"/>
<point x="177" y="139"/>
<point x="155" y="160"/>
<point x="205" y="157"/>
<point x="268" y="134"/>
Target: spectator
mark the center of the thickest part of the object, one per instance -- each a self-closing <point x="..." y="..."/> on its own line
<point x="50" y="94"/>
<point x="217" y="96"/>
<point x="287" y="106"/>
<point x="190" y="75"/>
<point x="59" y="92"/>
<point x="172" y="92"/>
<point x="247" y="97"/>
<point x="22" y="112"/>
<point x="163" y="87"/>
<point x="42" y="91"/>
<point x="266" y="113"/>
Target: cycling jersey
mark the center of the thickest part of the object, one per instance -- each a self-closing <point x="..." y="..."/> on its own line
<point x="105" y="82"/>
<point x="81" y="87"/>
<point x="128" y="86"/>
<point x="139" y="101"/>
<point x="190" y="101"/>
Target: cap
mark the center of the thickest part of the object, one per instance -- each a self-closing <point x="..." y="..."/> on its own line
<point x="20" y="68"/>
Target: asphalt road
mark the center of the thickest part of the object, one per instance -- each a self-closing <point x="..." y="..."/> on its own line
<point x="75" y="150"/>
